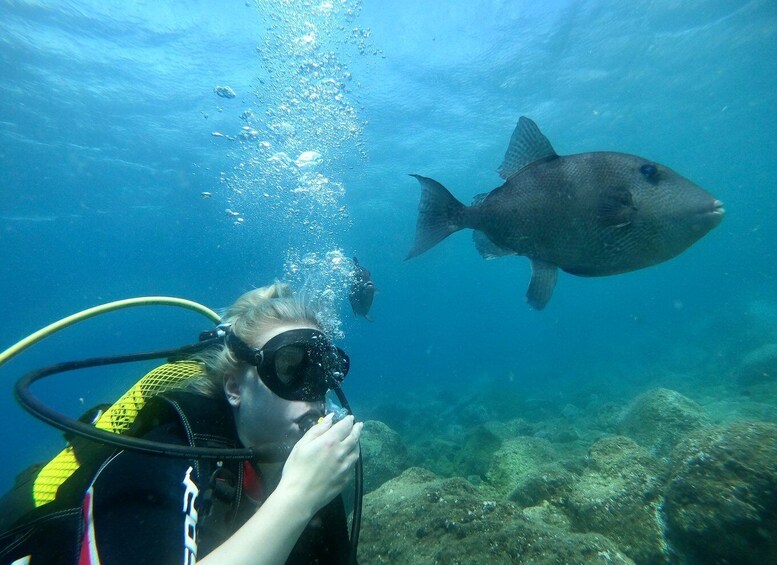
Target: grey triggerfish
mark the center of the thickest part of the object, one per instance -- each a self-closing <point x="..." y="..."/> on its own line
<point x="362" y="291"/>
<point x="589" y="214"/>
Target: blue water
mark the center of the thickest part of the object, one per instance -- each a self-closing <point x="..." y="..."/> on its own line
<point x="107" y="122"/>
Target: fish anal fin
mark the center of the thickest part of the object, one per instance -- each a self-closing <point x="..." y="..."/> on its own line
<point x="527" y="145"/>
<point x="487" y="248"/>
<point x="543" y="281"/>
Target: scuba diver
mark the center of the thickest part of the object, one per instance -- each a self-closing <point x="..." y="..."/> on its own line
<point x="262" y="387"/>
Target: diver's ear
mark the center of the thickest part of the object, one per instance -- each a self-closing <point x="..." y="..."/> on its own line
<point x="232" y="390"/>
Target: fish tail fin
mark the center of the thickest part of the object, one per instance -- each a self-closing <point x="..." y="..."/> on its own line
<point x="439" y="215"/>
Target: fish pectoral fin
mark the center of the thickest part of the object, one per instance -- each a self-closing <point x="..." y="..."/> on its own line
<point x="543" y="281"/>
<point x="487" y="248"/>
<point x="527" y="145"/>
<point x="616" y="207"/>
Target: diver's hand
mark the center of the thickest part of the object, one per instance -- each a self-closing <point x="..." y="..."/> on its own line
<point x="316" y="470"/>
<point x="320" y="464"/>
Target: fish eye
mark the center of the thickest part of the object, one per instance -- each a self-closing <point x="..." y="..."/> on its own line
<point x="649" y="170"/>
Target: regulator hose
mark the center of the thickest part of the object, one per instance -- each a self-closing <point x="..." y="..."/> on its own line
<point x="51" y="329"/>
<point x="358" y="487"/>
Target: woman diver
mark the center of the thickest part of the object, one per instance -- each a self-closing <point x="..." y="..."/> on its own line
<point x="263" y="387"/>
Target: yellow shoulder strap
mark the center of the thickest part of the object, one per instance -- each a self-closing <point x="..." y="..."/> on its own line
<point x="117" y="419"/>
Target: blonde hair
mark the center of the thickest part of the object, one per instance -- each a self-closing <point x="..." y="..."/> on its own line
<point x="251" y="315"/>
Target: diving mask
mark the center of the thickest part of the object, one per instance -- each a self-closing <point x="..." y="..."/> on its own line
<point x="295" y="365"/>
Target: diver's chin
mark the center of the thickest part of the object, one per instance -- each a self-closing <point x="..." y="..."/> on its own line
<point x="275" y="452"/>
<point x="295" y="435"/>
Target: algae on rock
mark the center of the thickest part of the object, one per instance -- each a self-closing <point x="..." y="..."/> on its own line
<point x="418" y="518"/>
<point x="619" y="496"/>
<point x="721" y="501"/>
<point x="384" y="453"/>
<point x="659" y="418"/>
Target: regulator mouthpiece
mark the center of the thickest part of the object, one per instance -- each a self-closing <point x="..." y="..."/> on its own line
<point x="333" y="408"/>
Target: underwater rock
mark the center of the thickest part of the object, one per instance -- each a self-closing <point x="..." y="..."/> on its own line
<point x="510" y="429"/>
<point x="566" y="436"/>
<point x="547" y="514"/>
<point x="557" y="430"/>
<point x="418" y="518"/>
<point x="606" y="417"/>
<point x="465" y="452"/>
<point x="721" y="501"/>
<point x="617" y="454"/>
<point x="619" y="496"/>
<point x="514" y="459"/>
<point x="474" y="459"/>
<point x="759" y="406"/>
<point x="659" y="418"/>
<point x="384" y="454"/>
<point x="760" y="365"/>
<point x="435" y="453"/>
<point x="571" y="412"/>
<point x="545" y="483"/>
<point x="397" y="416"/>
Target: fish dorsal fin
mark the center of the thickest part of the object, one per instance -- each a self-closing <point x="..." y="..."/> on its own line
<point x="527" y="145"/>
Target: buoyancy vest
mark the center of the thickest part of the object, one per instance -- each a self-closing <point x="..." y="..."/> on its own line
<point x="52" y="533"/>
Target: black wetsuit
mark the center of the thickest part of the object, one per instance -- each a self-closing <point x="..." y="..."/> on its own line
<point x="151" y="509"/>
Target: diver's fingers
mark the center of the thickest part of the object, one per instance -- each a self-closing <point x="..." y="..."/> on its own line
<point x="342" y="429"/>
<point x="351" y="442"/>
<point x="350" y="457"/>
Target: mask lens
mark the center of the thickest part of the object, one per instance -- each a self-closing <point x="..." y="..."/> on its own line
<point x="288" y="364"/>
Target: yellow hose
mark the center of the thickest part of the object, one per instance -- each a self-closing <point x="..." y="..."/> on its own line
<point x="43" y="333"/>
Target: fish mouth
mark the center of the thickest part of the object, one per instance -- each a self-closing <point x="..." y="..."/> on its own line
<point x="714" y="212"/>
<point x="707" y="217"/>
<point x="718" y="211"/>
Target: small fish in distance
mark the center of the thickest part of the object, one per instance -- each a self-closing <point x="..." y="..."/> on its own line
<point x="362" y="291"/>
<point x="589" y="214"/>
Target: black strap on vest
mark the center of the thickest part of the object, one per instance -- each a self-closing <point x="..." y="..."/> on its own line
<point x="206" y="422"/>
